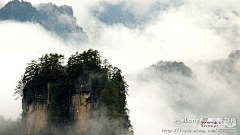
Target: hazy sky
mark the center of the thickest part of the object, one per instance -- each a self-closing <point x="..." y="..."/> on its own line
<point x="196" y="32"/>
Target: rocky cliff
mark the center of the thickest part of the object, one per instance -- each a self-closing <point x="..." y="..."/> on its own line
<point x="58" y="99"/>
<point x="81" y="110"/>
<point x="38" y="113"/>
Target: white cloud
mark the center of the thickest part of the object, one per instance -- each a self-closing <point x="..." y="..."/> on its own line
<point x="195" y="31"/>
<point x="20" y="43"/>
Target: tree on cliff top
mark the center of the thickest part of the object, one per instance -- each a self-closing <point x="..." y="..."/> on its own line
<point x="107" y="85"/>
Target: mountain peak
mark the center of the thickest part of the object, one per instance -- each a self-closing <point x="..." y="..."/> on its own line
<point x="58" y="19"/>
<point x="172" y="67"/>
<point x="64" y="9"/>
<point x="19" y="11"/>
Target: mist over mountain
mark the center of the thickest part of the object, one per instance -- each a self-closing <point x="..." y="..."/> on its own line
<point x="182" y="88"/>
<point x="168" y="67"/>
<point x="125" y="13"/>
<point x="227" y="70"/>
<point x="234" y="56"/>
<point x="175" y="55"/>
<point x="59" y="20"/>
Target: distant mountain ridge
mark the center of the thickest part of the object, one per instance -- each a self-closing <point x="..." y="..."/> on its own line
<point x="172" y="67"/>
<point x="58" y="19"/>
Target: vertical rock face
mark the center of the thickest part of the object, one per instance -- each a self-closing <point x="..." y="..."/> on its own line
<point x="37" y="113"/>
<point x="37" y="118"/>
<point x="82" y="103"/>
<point x="81" y="110"/>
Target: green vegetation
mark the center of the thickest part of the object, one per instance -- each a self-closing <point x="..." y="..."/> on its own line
<point x="85" y="72"/>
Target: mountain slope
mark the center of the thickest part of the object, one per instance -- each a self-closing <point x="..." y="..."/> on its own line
<point x="59" y="20"/>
